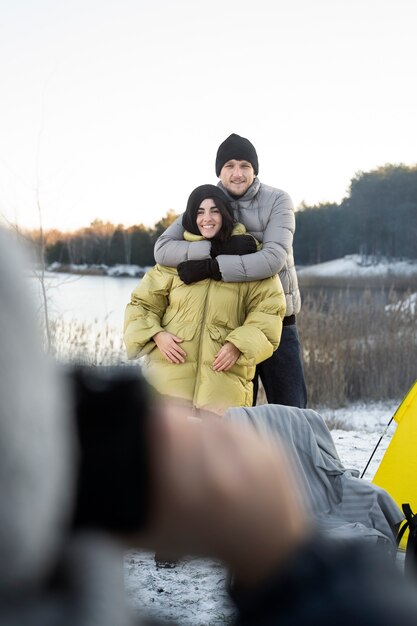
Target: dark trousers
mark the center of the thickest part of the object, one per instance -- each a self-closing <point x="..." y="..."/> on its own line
<point x="282" y="375"/>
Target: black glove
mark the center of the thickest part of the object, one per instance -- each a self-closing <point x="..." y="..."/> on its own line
<point x="237" y="244"/>
<point x="193" y="271"/>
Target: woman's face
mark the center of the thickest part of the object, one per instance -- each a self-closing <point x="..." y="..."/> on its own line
<point x="209" y="219"/>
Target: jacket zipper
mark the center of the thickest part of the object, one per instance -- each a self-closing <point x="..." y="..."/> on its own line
<point x="236" y="207"/>
<point x="203" y="321"/>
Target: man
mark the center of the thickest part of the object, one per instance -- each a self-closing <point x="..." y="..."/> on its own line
<point x="268" y="214"/>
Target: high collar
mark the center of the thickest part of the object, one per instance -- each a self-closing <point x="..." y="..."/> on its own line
<point x="248" y="195"/>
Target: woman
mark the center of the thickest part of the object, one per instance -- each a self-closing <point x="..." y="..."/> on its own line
<point x="202" y="341"/>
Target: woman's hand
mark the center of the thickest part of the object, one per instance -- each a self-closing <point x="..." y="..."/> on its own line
<point x="226" y="357"/>
<point x="168" y="345"/>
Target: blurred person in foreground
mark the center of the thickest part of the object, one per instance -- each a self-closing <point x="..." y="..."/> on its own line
<point x="202" y="341"/>
<point x="268" y="214"/>
<point x="89" y="458"/>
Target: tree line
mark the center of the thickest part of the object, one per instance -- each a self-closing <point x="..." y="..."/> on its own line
<point x="103" y="243"/>
<point x="377" y="218"/>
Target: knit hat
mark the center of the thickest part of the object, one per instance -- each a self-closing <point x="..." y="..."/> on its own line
<point x="239" y="148"/>
<point x="189" y="218"/>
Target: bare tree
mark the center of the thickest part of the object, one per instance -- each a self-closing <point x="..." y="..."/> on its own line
<point x="41" y="241"/>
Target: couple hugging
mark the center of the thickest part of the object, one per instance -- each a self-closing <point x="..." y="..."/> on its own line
<point x="219" y="307"/>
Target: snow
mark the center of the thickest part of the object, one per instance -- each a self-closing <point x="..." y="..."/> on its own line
<point x="356" y="265"/>
<point x="406" y="306"/>
<point x="127" y="270"/>
<point x="194" y="594"/>
<point x="134" y="271"/>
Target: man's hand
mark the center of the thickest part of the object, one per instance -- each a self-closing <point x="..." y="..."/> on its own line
<point x="220" y="490"/>
<point x="194" y="271"/>
<point x="226" y="357"/>
<point x="168" y="345"/>
<point x="237" y="244"/>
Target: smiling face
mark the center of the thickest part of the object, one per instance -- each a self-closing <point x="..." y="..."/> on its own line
<point x="237" y="176"/>
<point x="209" y="219"/>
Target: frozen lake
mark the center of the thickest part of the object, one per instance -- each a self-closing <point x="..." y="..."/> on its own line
<point x="87" y="298"/>
<point x="104" y="298"/>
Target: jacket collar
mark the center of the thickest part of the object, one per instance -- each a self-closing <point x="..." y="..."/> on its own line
<point x="250" y="193"/>
<point x="238" y="229"/>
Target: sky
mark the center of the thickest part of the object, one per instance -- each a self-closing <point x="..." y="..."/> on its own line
<point x="114" y="109"/>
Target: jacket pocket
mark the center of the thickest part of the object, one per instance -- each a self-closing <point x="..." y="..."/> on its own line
<point x="218" y="333"/>
<point x="185" y="330"/>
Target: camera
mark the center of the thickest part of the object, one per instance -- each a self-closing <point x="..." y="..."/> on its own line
<point x="111" y="408"/>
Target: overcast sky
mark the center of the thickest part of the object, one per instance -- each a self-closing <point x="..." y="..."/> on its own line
<point x="114" y="109"/>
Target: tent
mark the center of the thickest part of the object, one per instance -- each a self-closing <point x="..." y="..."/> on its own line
<point x="397" y="472"/>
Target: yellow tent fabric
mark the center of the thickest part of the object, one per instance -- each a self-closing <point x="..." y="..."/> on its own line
<point x="397" y="472"/>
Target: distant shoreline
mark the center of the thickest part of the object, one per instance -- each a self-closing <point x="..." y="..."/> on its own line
<point x="116" y="271"/>
<point x="360" y="272"/>
<point x="350" y="272"/>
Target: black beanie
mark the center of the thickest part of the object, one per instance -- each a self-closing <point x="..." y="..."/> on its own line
<point x="239" y="148"/>
<point x="189" y="218"/>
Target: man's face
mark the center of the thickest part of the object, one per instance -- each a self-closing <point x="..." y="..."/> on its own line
<point x="237" y="176"/>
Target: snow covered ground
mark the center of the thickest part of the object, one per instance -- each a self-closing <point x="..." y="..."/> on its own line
<point x="193" y="594"/>
<point x="103" y="270"/>
<point x="355" y="265"/>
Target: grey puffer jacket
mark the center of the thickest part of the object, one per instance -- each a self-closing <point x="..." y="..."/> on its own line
<point x="268" y="214"/>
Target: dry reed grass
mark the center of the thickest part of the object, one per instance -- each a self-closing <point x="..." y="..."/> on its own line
<point x="386" y="281"/>
<point x="359" y="351"/>
<point x="363" y="351"/>
<point x="95" y="343"/>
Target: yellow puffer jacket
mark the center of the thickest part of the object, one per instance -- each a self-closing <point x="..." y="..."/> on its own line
<point x="205" y="315"/>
